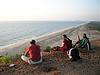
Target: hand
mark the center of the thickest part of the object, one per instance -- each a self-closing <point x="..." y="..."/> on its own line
<point x="24" y="54"/>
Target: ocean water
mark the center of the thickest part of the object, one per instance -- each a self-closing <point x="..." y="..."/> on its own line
<point x="14" y="31"/>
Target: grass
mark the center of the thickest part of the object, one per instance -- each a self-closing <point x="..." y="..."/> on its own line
<point x="5" y="59"/>
<point x="93" y="26"/>
<point x="47" y="49"/>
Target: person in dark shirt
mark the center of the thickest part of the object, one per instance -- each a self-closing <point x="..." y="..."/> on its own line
<point x="34" y="52"/>
<point x="73" y="54"/>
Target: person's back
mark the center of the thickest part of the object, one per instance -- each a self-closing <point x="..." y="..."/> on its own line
<point x="70" y="44"/>
<point x="67" y="44"/>
<point x="75" y="54"/>
<point x="34" y="52"/>
<point x="84" y="42"/>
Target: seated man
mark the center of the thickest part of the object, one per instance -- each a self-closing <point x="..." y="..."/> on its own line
<point x="34" y="53"/>
<point x="84" y="42"/>
<point x="66" y="44"/>
<point x="73" y="54"/>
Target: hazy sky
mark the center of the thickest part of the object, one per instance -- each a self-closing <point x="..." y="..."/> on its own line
<point x="49" y="10"/>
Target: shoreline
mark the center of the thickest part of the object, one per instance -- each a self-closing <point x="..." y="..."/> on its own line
<point x="19" y="47"/>
<point x="38" y="37"/>
<point x="25" y="43"/>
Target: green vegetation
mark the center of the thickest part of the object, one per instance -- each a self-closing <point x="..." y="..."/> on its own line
<point x="47" y="49"/>
<point x="5" y="59"/>
<point x="93" y="25"/>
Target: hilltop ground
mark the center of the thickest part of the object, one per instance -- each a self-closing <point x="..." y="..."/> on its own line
<point x="58" y="64"/>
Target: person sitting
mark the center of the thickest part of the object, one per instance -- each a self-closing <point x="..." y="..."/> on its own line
<point x="73" y="54"/>
<point x="84" y="42"/>
<point x="34" y="52"/>
<point x="66" y="44"/>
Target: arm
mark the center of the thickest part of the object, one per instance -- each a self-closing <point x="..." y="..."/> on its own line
<point x="78" y="40"/>
<point x="26" y="52"/>
<point x="88" y="44"/>
<point x="78" y="37"/>
<point x="62" y="44"/>
<point x="68" y="39"/>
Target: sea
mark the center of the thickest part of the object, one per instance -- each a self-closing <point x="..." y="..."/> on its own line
<point x="14" y="31"/>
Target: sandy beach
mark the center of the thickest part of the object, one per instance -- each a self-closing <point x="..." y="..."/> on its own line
<point x="53" y="39"/>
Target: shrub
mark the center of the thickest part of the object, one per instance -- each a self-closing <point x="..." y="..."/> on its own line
<point x="47" y="49"/>
<point x="5" y="59"/>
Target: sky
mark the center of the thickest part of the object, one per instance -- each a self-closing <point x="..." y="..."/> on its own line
<point x="11" y="10"/>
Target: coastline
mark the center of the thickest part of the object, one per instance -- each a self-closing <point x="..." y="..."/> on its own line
<point x="51" y="39"/>
<point x="19" y="47"/>
<point x="37" y="37"/>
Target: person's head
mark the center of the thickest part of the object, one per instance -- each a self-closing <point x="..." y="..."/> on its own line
<point x="65" y="37"/>
<point x="32" y="42"/>
<point x="84" y="35"/>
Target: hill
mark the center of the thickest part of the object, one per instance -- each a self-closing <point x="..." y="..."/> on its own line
<point x="92" y="25"/>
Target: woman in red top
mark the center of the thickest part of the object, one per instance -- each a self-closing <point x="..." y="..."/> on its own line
<point x="66" y="44"/>
<point x="34" y="53"/>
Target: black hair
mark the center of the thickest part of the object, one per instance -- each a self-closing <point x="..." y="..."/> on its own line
<point x="64" y="36"/>
<point x="32" y="42"/>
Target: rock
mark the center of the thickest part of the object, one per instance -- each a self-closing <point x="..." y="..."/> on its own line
<point x="11" y="65"/>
